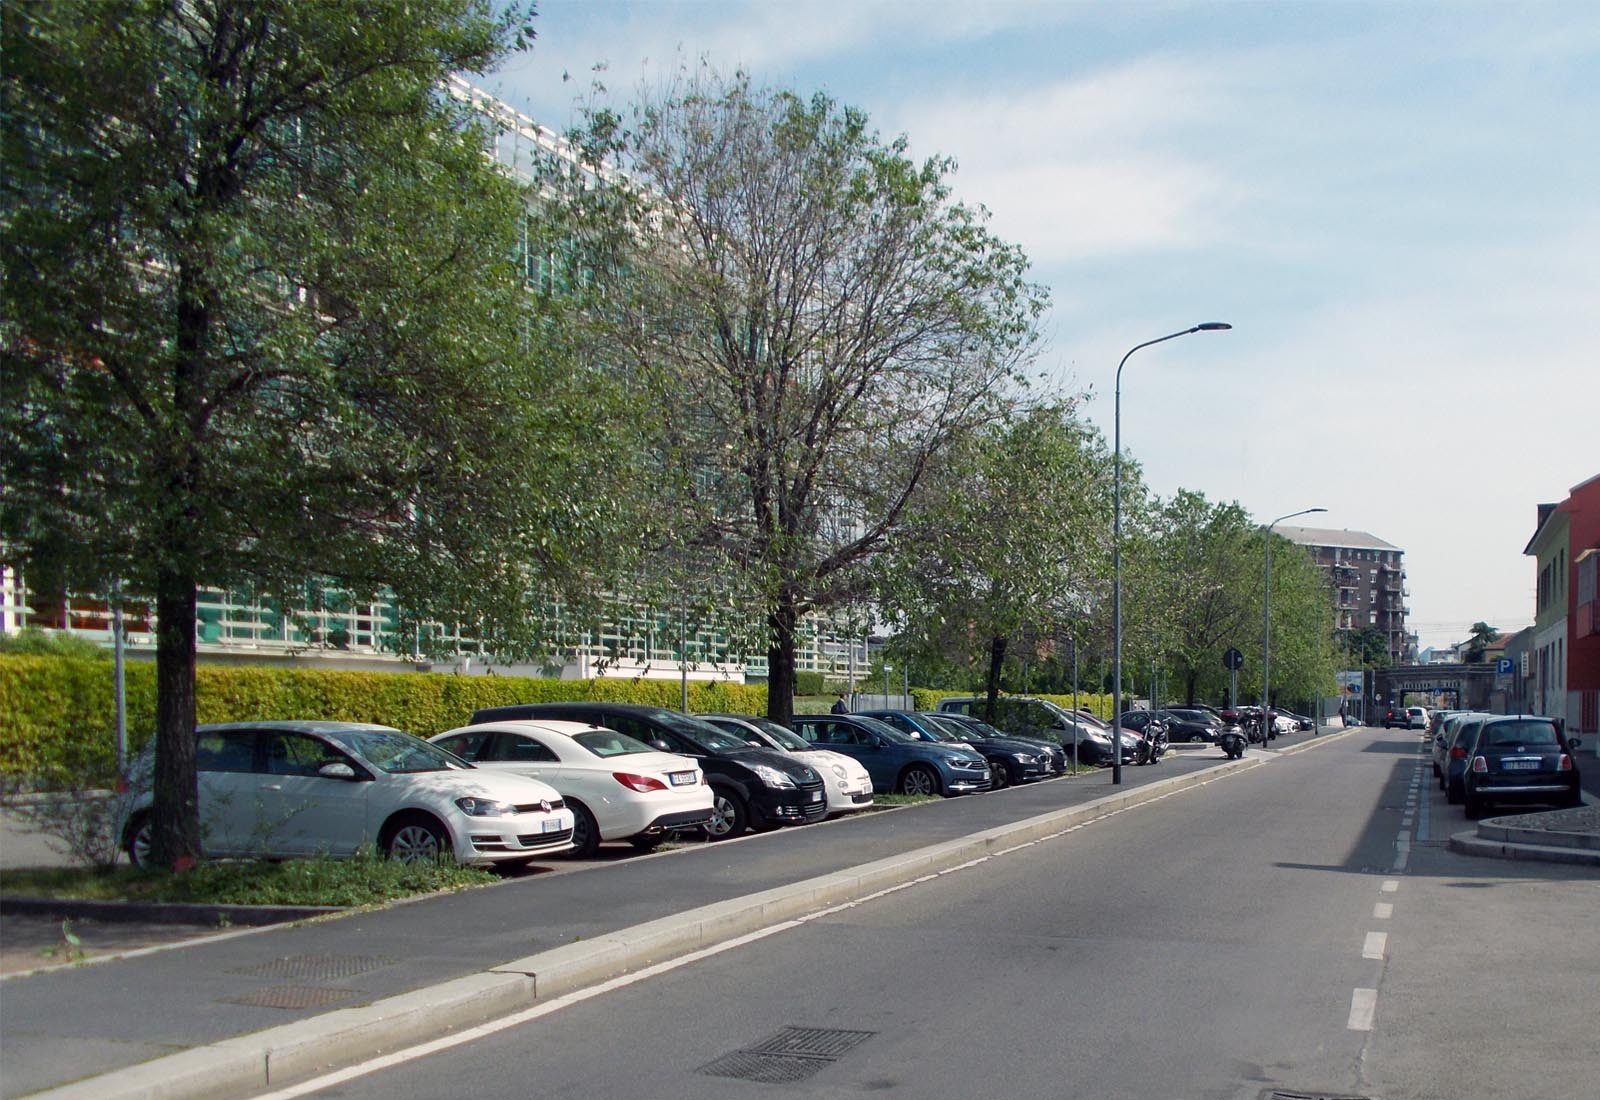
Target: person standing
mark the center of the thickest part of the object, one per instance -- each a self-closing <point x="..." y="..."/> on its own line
<point x="840" y="706"/>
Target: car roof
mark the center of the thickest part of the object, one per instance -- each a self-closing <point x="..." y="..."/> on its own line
<point x="296" y="725"/>
<point x="563" y="726"/>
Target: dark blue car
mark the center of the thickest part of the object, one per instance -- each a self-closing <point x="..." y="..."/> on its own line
<point x="1010" y="761"/>
<point x="897" y="763"/>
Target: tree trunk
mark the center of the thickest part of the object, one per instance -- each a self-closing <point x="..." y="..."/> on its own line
<point x="1192" y="675"/>
<point x="782" y="618"/>
<point x="176" y="814"/>
<point x="997" y="660"/>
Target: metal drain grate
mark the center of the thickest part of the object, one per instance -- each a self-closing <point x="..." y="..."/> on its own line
<point x="292" y="996"/>
<point x="793" y="1054"/>
<point x="315" y="967"/>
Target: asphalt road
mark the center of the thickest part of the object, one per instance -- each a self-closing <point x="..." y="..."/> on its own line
<point x="1298" y="927"/>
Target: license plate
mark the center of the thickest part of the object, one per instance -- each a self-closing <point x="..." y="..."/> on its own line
<point x="681" y="779"/>
<point x="551" y="826"/>
<point x="1520" y="765"/>
<point x="816" y="796"/>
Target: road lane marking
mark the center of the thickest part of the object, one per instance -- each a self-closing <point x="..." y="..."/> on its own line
<point x="1382" y="911"/>
<point x="1390" y="885"/>
<point x="1363" y="1005"/>
<point x="1373" y="948"/>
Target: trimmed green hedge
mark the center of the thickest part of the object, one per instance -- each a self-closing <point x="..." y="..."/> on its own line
<point x="58" y="715"/>
<point x="928" y="699"/>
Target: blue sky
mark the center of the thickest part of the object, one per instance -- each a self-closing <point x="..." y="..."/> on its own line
<point x="1397" y="205"/>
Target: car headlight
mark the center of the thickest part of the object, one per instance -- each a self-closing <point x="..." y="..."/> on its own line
<point x="1023" y="757"/>
<point x="485" y="807"/>
<point x="839" y="770"/>
<point x="771" y="776"/>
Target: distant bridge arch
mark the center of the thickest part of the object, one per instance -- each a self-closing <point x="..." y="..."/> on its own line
<point x="1472" y="686"/>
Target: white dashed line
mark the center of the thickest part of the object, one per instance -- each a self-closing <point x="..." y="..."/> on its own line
<point x="1373" y="948"/>
<point x="1390" y="885"/>
<point x="1363" y="1005"/>
<point x="1382" y="911"/>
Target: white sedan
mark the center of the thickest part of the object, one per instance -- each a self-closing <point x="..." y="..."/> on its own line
<point x="284" y="789"/>
<point x="846" y="779"/>
<point x="617" y="788"/>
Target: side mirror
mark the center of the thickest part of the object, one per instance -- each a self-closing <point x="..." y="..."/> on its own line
<point x="661" y="745"/>
<point x="337" y="771"/>
<point x="1575" y="744"/>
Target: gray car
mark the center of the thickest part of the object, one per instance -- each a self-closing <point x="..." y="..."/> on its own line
<point x="1456" y="756"/>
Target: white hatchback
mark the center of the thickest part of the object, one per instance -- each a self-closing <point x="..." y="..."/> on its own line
<point x="284" y="789"/>
<point x="846" y="779"/>
<point x="617" y="788"/>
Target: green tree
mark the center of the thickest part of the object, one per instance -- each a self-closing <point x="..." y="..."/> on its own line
<point x="814" y="314"/>
<point x="1009" y="540"/>
<point x="264" y="322"/>
<point x="1479" y="641"/>
<point x="1367" y="647"/>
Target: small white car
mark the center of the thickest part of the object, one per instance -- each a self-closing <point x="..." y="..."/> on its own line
<point x="1417" y="718"/>
<point x="286" y="789"/>
<point x="617" y="788"/>
<point x="846" y="780"/>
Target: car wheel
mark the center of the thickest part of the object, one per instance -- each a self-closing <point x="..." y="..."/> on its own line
<point x="647" y="843"/>
<point x="919" y="780"/>
<point x="415" y="838"/>
<point x="1473" y="808"/>
<point x="999" y="777"/>
<point x="729" y="815"/>
<point x="137" y="840"/>
<point x="585" y="833"/>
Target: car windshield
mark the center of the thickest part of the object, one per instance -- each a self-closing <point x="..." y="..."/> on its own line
<point x="883" y="729"/>
<point x="703" y="735"/>
<point x="982" y="729"/>
<point x="605" y="743"/>
<point x="397" y="753"/>
<point x="785" y="738"/>
<point x="1512" y="734"/>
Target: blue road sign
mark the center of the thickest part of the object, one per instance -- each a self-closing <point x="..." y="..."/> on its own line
<point x="1502" y="666"/>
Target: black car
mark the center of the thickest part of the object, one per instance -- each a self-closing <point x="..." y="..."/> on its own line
<point x="1520" y="759"/>
<point x="970" y="728"/>
<point x="751" y="788"/>
<point x="1184" y="724"/>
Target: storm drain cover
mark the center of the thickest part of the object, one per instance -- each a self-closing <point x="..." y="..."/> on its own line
<point x="315" y="967"/>
<point x="791" y="1055"/>
<point x="292" y="996"/>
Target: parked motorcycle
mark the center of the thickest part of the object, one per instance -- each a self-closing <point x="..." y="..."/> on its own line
<point x="1153" y="743"/>
<point x="1232" y="742"/>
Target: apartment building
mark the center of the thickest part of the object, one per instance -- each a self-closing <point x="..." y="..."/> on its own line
<point x="1563" y="655"/>
<point x="1368" y="577"/>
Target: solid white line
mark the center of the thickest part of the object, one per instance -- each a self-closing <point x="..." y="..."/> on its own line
<point x="1382" y="911"/>
<point x="1363" y="1005"/>
<point x="1390" y="885"/>
<point x="1376" y="942"/>
<point x="1404" y="837"/>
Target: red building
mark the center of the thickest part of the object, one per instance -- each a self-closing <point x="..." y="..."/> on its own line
<point x="1564" y="658"/>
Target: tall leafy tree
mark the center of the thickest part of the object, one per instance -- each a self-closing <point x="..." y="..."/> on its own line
<point x="1478" y="642"/>
<point x="264" y="322"/>
<point x="814" y="314"/>
<point x="1009" y="540"/>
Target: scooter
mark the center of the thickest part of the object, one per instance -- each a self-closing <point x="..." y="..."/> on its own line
<point x="1153" y="743"/>
<point x="1232" y="742"/>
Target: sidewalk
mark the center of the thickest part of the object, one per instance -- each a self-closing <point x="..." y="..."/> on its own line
<point x="231" y="1015"/>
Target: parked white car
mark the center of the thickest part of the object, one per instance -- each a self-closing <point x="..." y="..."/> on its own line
<point x="283" y="789"/>
<point x="618" y="788"/>
<point x="846" y="780"/>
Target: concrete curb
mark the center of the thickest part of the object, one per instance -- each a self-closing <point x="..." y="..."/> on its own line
<point x="281" y="1056"/>
<point x="1470" y="843"/>
<point x="166" y="912"/>
<point x="1550" y="838"/>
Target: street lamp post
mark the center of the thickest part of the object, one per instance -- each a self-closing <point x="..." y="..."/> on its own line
<point x="1116" y="547"/>
<point x="1266" y="631"/>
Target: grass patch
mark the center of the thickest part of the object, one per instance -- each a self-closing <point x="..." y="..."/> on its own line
<point x="887" y="800"/>
<point x="363" y="880"/>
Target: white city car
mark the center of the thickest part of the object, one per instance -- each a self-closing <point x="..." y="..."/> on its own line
<point x="847" y="781"/>
<point x="617" y="788"/>
<point x="279" y="789"/>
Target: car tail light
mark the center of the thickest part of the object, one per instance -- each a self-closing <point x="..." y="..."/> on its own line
<point x="636" y="782"/>
<point x="1566" y="763"/>
<point x="1480" y="765"/>
<point x="1457" y="752"/>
